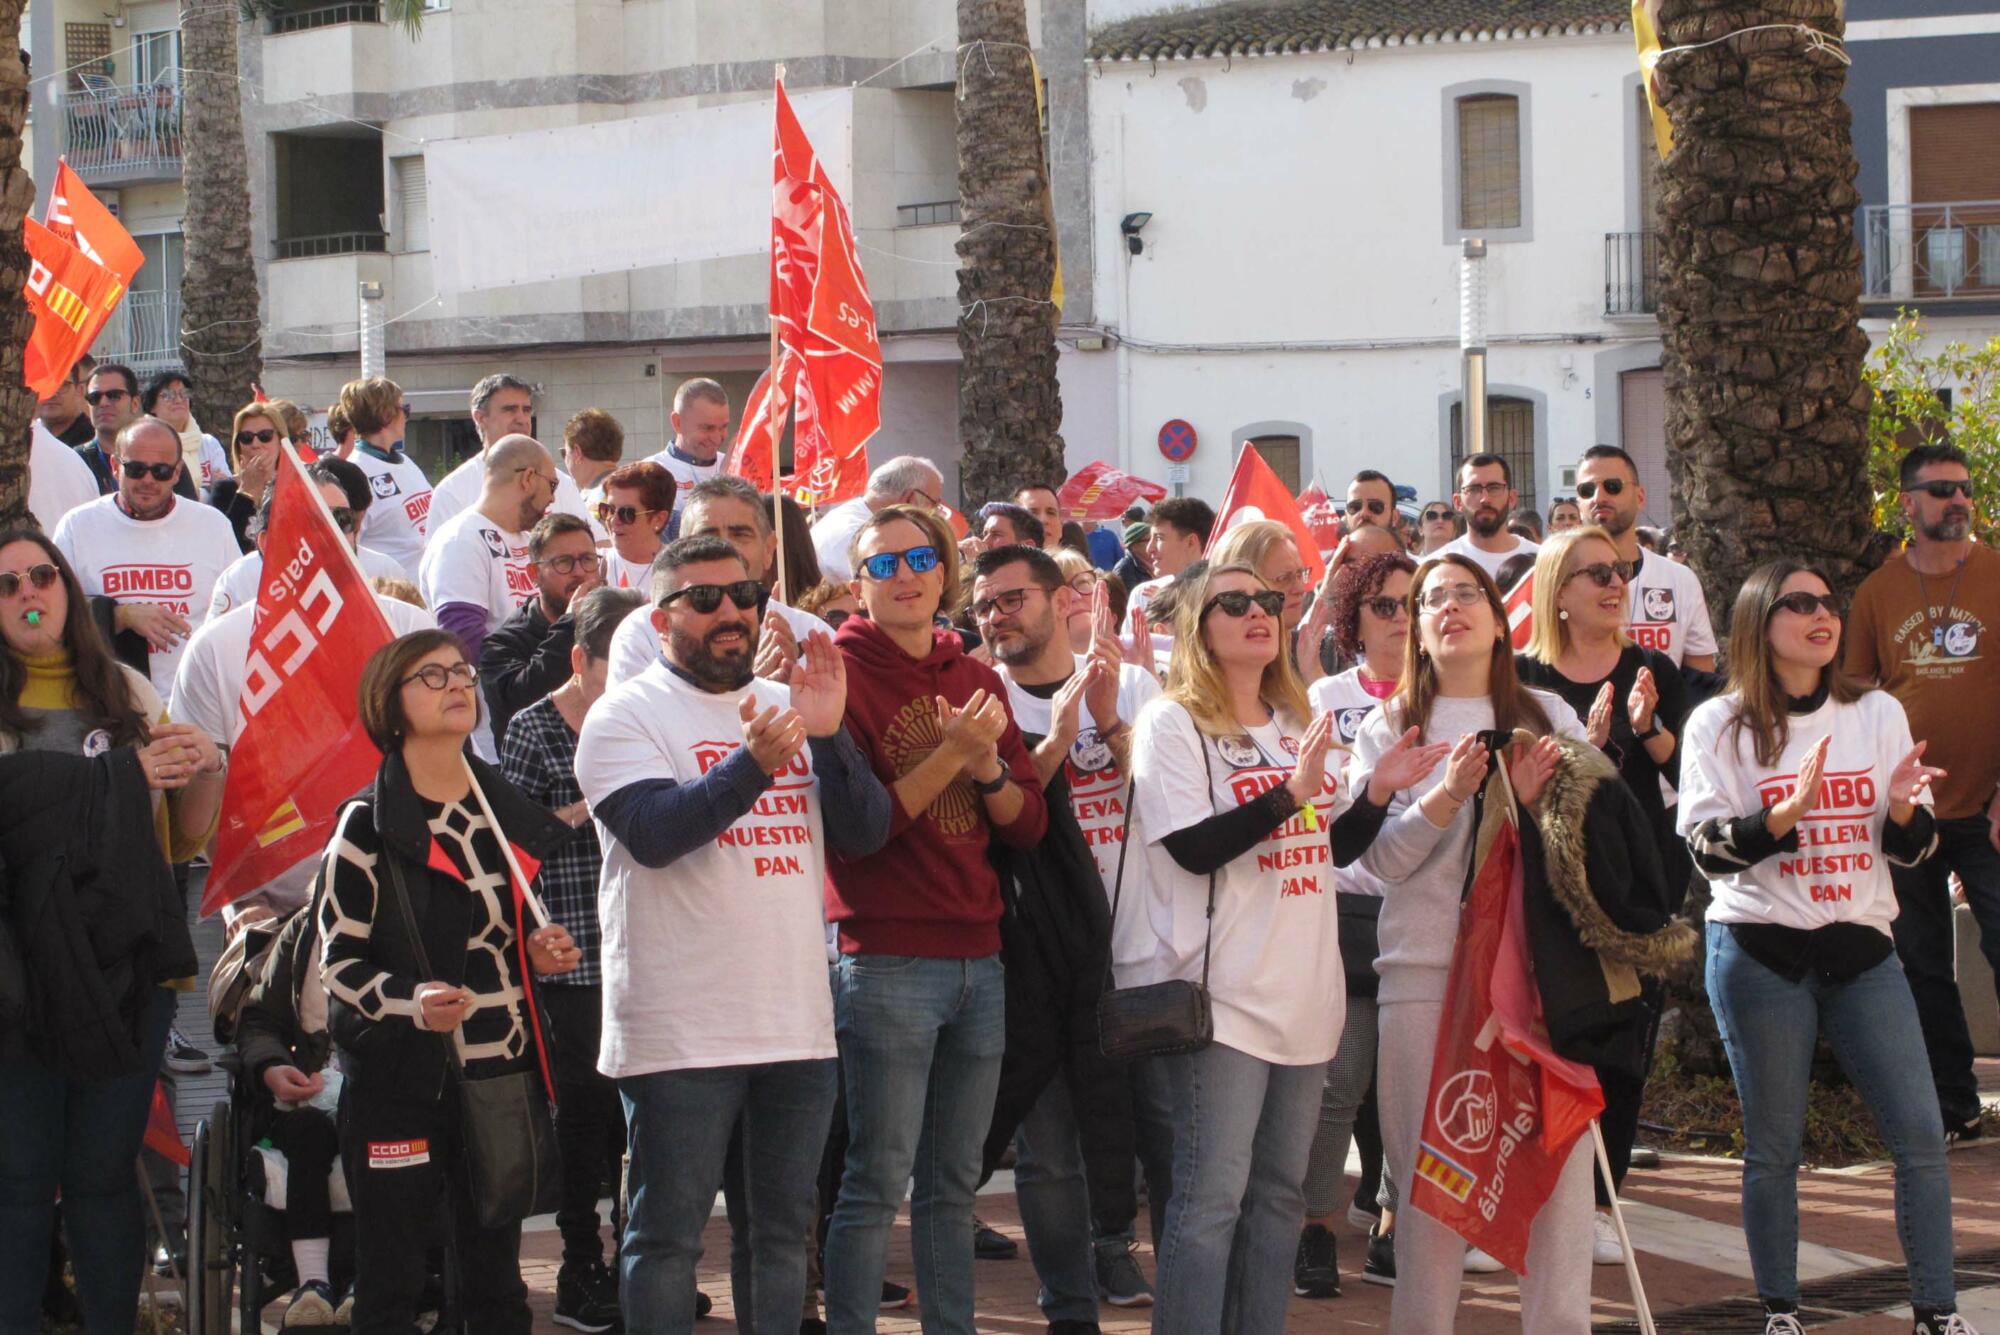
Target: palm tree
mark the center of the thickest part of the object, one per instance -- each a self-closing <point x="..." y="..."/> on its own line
<point x="1009" y="405"/>
<point x="17" y="196"/>
<point x="1760" y="280"/>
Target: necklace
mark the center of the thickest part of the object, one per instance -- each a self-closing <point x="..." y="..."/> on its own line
<point x="1923" y="589"/>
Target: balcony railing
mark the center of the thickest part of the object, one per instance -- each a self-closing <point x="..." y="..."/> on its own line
<point x="1631" y="273"/>
<point x="305" y="17"/>
<point x="123" y="134"/>
<point x="1931" y="252"/>
<point x="144" y="332"/>
<point x="332" y="243"/>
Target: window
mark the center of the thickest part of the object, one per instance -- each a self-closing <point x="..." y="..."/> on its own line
<point x="1954" y="183"/>
<point x="1510" y="433"/>
<point x="156" y="56"/>
<point x="1282" y="453"/>
<point x="1489" y="162"/>
<point x="412" y="203"/>
<point x="329" y="197"/>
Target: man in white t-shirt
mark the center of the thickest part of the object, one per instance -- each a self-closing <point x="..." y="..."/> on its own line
<point x="1485" y="497"/>
<point x="908" y="479"/>
<point x="502" y="406"/>
<point x="399" y="513"/>
<point x="1180" y="535"/>
<point x="155" y="553"/>
<point x="1668" y="611"/>
<point x="1074" y="1175"/>
<point x="58" y="481"/>
<point x="716" y="796"/>
<point x="701" y="435"/>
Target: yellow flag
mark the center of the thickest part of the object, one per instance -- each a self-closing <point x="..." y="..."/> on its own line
<point x="1646" y="31"/>
<point x="1048" y="209"/>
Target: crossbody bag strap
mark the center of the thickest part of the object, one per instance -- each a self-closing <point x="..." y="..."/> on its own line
<point x="1118" y="881"/>
<point x="1208" y="931"/>
<point x="399" y="890"/>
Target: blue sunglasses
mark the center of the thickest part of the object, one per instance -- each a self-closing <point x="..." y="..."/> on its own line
<point x="882" y="565"/>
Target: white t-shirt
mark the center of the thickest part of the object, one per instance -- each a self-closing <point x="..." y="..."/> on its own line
<point x="1669" y="612"/>
<point x="399" y="517"/>
<point x="1839" y="873"/>
<point x="462" y="486"/>
<point x="174" y="561"/>
<point x="1097" y="794"/>
<point x="1351" y="706"/>
<point x="1275" y="980"/>
<point x="833" y="532"/>
<point x="720" y="958"/>
<point x="238" y="584"/>
<point x="214" y="465"/>
<point x="635" y="645"/>
<point x="58" y="480"/>
<point x="687" y="472"/>
<point x="1490" y="562"/>
<point x="470" y="559"/>
<point x="622" y="574"/>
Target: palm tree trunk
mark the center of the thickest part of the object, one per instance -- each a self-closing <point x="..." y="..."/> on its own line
<point x="1760" y="284"/>
<point x="220" y="319"/>
<point x="17" y="196"/>
<point x="1009" y="404"/>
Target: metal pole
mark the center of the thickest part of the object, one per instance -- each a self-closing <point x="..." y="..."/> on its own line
<point x="369" y="337"/>
<point x="1472" y="342"/>
<point x="1624" y="1238"/>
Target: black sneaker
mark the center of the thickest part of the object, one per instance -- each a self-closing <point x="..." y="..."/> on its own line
<point x="1380" y="1265"/>
<point x="1942" y="1323"/>
<point x="1957" y="1133"/>
<point x="1120" y="1281"/>
<point x="990" y="1244"/>
<point x="894" y="1296"/>
<point x="182" y="1056"/>
<point x="1316" y="1267"/>
<point x="1071" y="1326"/>
<point x="586" y="1299"/>
<point x="703" y="1304"/>
<point x="311" y="1304"/>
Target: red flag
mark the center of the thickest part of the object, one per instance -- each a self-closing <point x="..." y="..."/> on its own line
<point x="959" y="527"/>
<point x="71" y="296"/>
<point x="1503" y="1110"/>
<point x="1099" y="491"/>
<point x="163" y="1135"/>
<point x="1520" y="610"/>
<point x="820" y="303"/>
<point x="302" y="751"/>
<point x="78" y="217"/>
<point x="1256" y="493"/>
<point x="763" y="413"/>
<point x="1323" y="519"/>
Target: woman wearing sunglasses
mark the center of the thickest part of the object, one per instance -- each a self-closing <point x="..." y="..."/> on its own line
<point x="1798" y="788"/>
<point x="417" y="849"/>
<point x="254" y="442"/>
<point x="638" y="502"/>
<point x="71" y="1134"/>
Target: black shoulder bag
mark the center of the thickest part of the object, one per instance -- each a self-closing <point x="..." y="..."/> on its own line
<point x="507" y="1135"/>
<point x="1159" y="1019"/>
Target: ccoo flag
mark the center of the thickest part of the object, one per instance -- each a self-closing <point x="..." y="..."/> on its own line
<point x="70" y="296"/>
<point x="80" y="218"/>
<point x="1099" y="491"/>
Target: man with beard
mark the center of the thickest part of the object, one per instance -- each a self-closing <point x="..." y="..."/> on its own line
<point x="502" y="406"/>
<point x="1668" y="611"/>
<point x="1919" y="626"/>
<point x="529" y="655"/>
<point x="707" y="782"/>
<point x="1486" y="496"/>
<point x="1075" y="1110"/>
<point x="1371" y="499"/>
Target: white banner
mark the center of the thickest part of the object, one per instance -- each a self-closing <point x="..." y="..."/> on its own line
<point x="618" y="195"/>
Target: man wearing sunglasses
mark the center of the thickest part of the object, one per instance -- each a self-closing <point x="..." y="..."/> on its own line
<point x="1486" y="496"/>
<point x="153" y="551"/>
<point x="1925" y="625"/>
<point x="528" y="656"/>
<point x="908" y="479"/>
<point x="1371" y="499"/>
<point x="1668" y="610"/>
<point x="718" y="795"/>
<point x="112" y="396"/>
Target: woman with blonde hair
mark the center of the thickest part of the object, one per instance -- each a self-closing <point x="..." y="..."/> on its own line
<point x="1270" y="549"/>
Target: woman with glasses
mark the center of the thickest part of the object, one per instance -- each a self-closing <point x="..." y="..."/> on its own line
<point x="638" y="502"/>
<point x="74" y="1097"/>
<point x="254" y="442"/>
<point x="1799" y="787"/>
<point x="1437" y="527"/>
<point x="418" y="848"/>
<point x="169" y="396"/>
<point x="1083" y="579"/>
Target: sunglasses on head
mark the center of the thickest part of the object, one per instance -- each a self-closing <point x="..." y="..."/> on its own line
<point x="1373" y="507"/>
<point x="437" y="676"/>
<point x="624" y="514"/>
<point x="882" y="565"/>
<point x="1600" y="572"/>
<point x="139" y="468"/>
<point x="747" y="594"/>
<point x="1237" y="603"/>
<point x="1613" y="486"/>
<point x="264" y="437"/>
<point x="39" y="576"/>
<point x="97" y="396"/>
<point x="1803" y="603"/>
<point x="1945" y="489"/>
<point x="1387" y="608"/>
<point x="1006" y="604"/>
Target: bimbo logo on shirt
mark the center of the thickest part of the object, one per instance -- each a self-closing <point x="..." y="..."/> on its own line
<point x="777" y="820"/>
<point x="133" y="581"/>
<point x="1836" y="839"/>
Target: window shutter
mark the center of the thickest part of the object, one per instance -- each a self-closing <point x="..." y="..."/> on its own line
<point x="413" y="203"/>
<point x="1952" y="153"/>
<point x="1489" y="161"/>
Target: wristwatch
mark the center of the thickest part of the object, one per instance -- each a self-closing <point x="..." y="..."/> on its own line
<point x="1650" y="733"/>
<point x="988" y="787"/>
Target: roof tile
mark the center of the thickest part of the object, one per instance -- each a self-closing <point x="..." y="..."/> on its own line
<point x="1273" y="27"/>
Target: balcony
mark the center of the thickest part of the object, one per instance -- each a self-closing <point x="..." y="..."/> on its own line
<point x="144" y="332"/>
<point x="117" y="135"/>
<point x="306" y="17"/>
<point x="1931" y="252"/>
<point x="1631" y="273"/>
<point x="331" y="243"/>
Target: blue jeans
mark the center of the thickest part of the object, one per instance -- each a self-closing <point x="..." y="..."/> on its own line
<point x="1055" y="1206"/>
<point x="1769" y="1026"/>
<point x="920" y="1045"/>
<point x="1243" y="1131"/>
<point x="678" y="1125"/>
<point x="80" y="1138"/>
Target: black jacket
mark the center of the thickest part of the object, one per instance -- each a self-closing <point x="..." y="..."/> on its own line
<point x="522" y="661"/>
<point x="94" y="915"/>
<point x="227" y="496"/>
<point x="397" y="1059"/>
<point x="284" y="1017"/>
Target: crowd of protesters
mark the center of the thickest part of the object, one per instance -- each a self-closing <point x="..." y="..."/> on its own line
<point x="845" y="832"/>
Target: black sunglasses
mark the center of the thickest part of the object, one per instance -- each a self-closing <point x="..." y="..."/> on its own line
<point x="1432" y="516"/>
<point x="1945" y="489"/>
<point x="346" y="520"/>
<point x="1803" y="603"/>
<point x="1387" y="608"/>
<point x="38" y="576"/>
<point x="624" y="514"/>
<point x="1613" y="486"/>
<point x="1374" y="507"/>
<point x="1237" y="603"/>
<point x="1600" y="572"/>
<point x="836" y="616"/>
<point x="705" y="598"/>
<point x="98" y="396"/>
<point x="139" y="468"/>
<point x="264" y="437"/>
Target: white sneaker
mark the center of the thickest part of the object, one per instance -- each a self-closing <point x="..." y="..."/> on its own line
<point x="1604" y="1247"/>
<point x="1478" y="1262"/>
<point x="1361" y="1219"/>
<point x="1782" y="1323"/>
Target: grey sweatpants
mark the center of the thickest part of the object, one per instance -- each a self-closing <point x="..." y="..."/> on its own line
<point x="1348" y="1076"/>
<point x="1555" y="1293"/>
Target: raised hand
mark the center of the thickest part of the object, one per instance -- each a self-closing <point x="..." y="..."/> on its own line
<point x="1404" y="765"/>
<point x="1100" y="691"/>
<point x="1643" y="700"/>
<point x="1530" y="766"/>
<point x="1909" y="781"/>
<point x="1599" y="723"/>
<point x="777" y="649"/>
<point x="1066" y="710"/>
<point x="819" y="686"/>
<point x="1309" y="775"/>
<point x="1812" y="772"/>
<point x="774" y="736"/>
<point x="1465" y="769"/>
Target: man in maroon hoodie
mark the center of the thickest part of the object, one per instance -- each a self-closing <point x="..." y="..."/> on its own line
<point x="919" y="998"/>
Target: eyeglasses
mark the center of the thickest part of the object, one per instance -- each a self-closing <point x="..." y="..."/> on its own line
<point x="172" y="396"/>
<point x="1388" y="609"/>
<point x="38" y="576"/>
<point x="98" y="396"/>
<point x="624" y="514"/>
<point x="1084" y="581"/>
<point x="437" y="676"/>
<point x="346" y="520"/>
<point x="882" y="565"/>
<point x="1613" y="486"/>
<point x="1436" y="516"/>
<point x="564" y="565"/>
<point x="549" y="478"/>
<point x="1601" y="572"/>
<point x="1293" y="578"/>
<point x="1802" y="604"/>
<point x="836" y="616"/>
<point x="264" y="437"/>
<point x="930" y="502"/>
<point x="1373" y="507"/>
<point x="1006" y="604"/>
<point x="1945" y="489"/>
<point x="1474" y="490"/>
<point x="139" y="468"/>
<point x="705" y="598"/>
<point x="1237" y="603"/>
<point x="1440" y="596"/>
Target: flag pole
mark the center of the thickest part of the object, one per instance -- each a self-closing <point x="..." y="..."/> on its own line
<point x="778" y="420"/>
<point x="528" y="895"/>
<point x="1624" y="1238"/>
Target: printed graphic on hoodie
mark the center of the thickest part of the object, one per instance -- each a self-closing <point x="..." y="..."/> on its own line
<point x="911" y="736"/>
